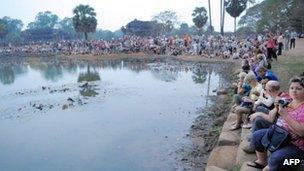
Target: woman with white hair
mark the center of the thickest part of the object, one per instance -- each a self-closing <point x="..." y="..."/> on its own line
<point x="247" y="101"/>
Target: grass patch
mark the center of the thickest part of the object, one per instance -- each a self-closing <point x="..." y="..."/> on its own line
<point x="289" y="65"/>
<point x="216" y="129"/>
<point x="287" y="70"/>
<point x="237" y="168"/>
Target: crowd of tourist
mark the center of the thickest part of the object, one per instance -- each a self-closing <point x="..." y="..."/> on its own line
<point x="275" y="117"/>
<point x="259" y="103"/>
<point x="205" y="46"/>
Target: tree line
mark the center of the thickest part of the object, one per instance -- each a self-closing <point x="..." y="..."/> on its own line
<point x="273" y="16"/>
<point x="48" y="26"/>
<point x="269" y="15"/>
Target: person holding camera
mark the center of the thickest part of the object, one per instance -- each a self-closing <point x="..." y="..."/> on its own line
<point x="261" y="119"/>
<point x="290" y="118"/>
<point x="272" y="89"/>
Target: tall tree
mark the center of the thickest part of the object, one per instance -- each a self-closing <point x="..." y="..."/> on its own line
<point x="210" y="21"/>
<point x="234" y="8"/>
<point x="199" y="17"/>
<point x="3" y="28"/>
<point x="223" y="4"/>
<point x="169" y="19"/>
<point x="275" y="15"/>
<point x="84" y="20"/>
<point x="297" y="15"/>
<point x="252" y="16"/>
<point x="184" y="29"/>
<point x="66" y="25"/>
<point x="10" y="29"/>
<point x="44" y="20"/>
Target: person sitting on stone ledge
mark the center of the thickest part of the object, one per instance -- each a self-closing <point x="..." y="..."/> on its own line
<point x="262" y="119"/>
<point x="247" y="101"/>
<point x="241" y="89"/>
<point x="291" y="119"/>
<point x="264" y="103"/>
<point x="245" y="66"/>
<point x="263" y="72"/>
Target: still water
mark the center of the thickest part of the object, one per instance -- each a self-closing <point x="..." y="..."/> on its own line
<point x="124" y="115"/>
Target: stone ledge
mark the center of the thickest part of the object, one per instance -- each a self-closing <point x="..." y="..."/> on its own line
<point x="230" y="119"/>
<point x="214" y="168"/>
<point x="248" y="168"/>
<point x="241" y="155"/>
<point x="228" y="139"/>
<point x="223" y="157"/>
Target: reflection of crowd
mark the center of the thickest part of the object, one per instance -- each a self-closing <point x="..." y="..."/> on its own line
<point x="205" y="46"/>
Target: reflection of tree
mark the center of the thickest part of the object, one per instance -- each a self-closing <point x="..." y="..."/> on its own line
<point x="199" y="75"/>
<point x="71" y="67"/>
<point x="88" y="75"/>
<point x="89" y="91"/>
<point x="52" y="72"/>
<point x="7" y="75"/>
<point x="20" y="69"/>
<point x="226" y="74"/>
<point x="164" y="74"/>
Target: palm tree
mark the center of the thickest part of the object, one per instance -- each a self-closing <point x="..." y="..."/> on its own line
<point x="209" y="6"/>
<point x="223" y="4"/>
<point x="3" y="28"/>
<point x="235" y="8"/>
<point x="84" y="20"/>
<point x="199" y="17"/>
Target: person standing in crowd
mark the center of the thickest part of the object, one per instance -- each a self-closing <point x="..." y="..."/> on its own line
<point x="270" y="45"/>
<point x="280" y="41"/>
<point x="293" y="40"/>
<point x="287" y="40"/>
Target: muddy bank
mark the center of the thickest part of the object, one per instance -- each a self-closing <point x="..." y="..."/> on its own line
<point x="205" y="130"/>
<point x="122" y="56"/>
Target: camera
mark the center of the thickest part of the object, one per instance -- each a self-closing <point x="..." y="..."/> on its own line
<point x="284" y="102"/>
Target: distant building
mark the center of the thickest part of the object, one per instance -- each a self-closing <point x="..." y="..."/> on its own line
<point x="143" y="28"/>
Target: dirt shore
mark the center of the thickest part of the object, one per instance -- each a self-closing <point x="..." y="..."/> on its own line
<point x="205" y="130"/>
<point x="132" y="57"/>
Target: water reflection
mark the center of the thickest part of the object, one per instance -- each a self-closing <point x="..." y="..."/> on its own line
<point x="199" y="75"/>
<point x="89" y="75"/>
<point x="89" y="91"/>
<point x="53" y="72"/>
<point x="7" y="75"/>
<point x="9" y="72"/>
<point x="164" y="73"/>
<point x="71" y="67"/>
<point x="109" y="133"/>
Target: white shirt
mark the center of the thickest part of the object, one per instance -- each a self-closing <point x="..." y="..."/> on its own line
<point x="280" y="39"/>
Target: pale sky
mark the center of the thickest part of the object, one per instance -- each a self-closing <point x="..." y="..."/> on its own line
<point x="112" y="14"/>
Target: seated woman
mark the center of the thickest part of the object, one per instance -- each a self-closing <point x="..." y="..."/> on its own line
<point x="245" y="66"/>
<point x="247" y="101"/>
<point x="241" y="89"/>
<point x="265" y="101"/>
<point x="263" y="116"/>
<point x="291" y="118"/>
